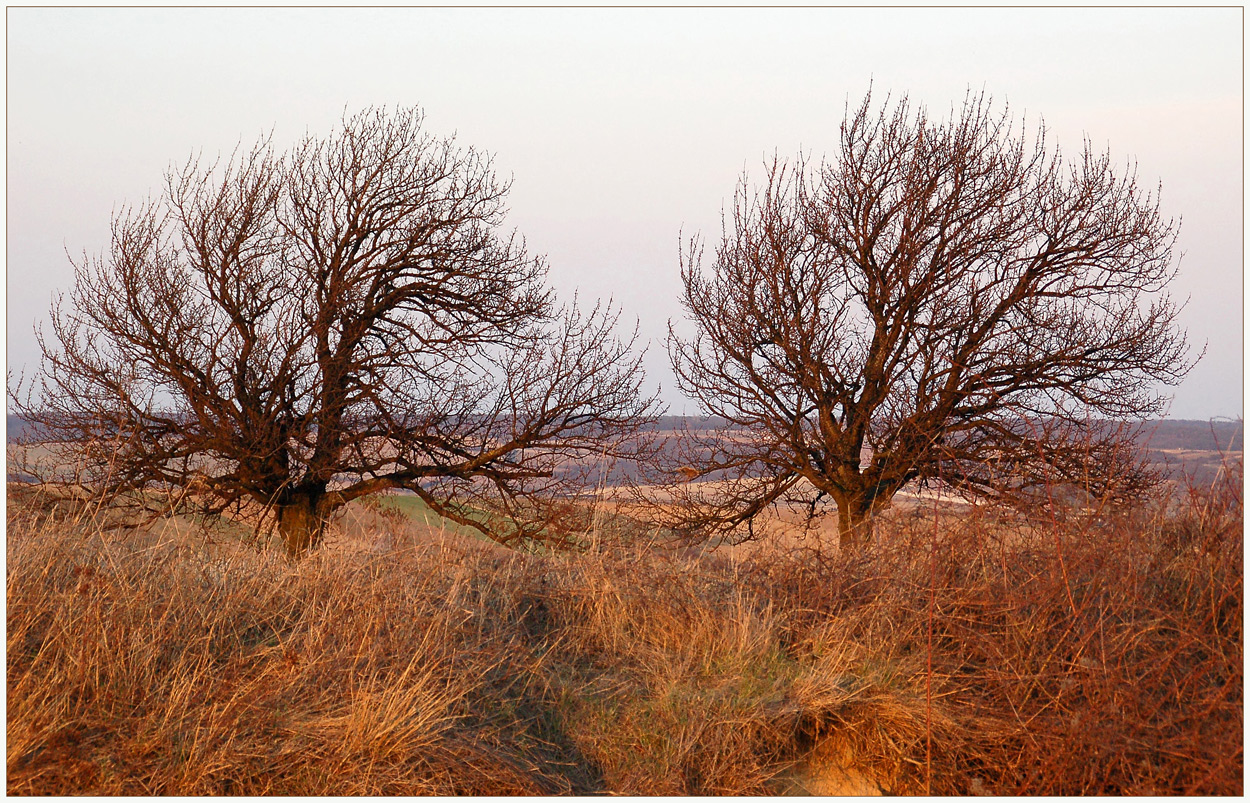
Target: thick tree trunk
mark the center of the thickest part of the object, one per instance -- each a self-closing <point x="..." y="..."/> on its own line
<point x="302" y="523"/>
<point x="854" y="523"/>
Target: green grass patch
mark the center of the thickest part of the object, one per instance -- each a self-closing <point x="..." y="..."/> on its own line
<point x="416" y="510"/>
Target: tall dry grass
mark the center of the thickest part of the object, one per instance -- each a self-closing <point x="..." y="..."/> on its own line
<point x="165" y="666"/>
<point x="1096" y="652"/>
<point x="1073" y="652"/>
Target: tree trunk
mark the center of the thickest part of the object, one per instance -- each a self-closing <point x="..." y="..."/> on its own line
<point x="854" y="523"/>
<point x="302" y="523"/>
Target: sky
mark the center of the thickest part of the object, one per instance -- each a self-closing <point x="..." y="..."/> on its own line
<point x="623" y="130"/>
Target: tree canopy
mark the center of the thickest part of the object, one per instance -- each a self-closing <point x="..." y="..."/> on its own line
<point x="938" y="299"/>
<point x="278" y="334"/>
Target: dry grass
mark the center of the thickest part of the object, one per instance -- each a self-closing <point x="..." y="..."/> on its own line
<point x="1100" y="653"/>
<point x="172" y="668"/>
<point x="1097" y="652"/>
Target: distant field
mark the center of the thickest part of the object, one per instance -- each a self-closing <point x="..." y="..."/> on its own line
<point x="1193" y="449"/>
<point x="1167" y="434"/>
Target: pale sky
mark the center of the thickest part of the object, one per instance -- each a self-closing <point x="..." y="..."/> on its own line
<point x="621" y="128"/>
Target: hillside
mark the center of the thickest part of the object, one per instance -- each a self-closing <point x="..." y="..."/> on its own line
<point x="963" y="654"/>
<point x="1212" y="435"/>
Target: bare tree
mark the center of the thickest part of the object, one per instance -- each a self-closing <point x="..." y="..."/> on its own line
<point x="284" y="333"/>
<point x="940" y="299"/>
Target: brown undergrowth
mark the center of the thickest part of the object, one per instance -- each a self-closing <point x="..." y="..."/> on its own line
<point x="1097" y="652"/>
